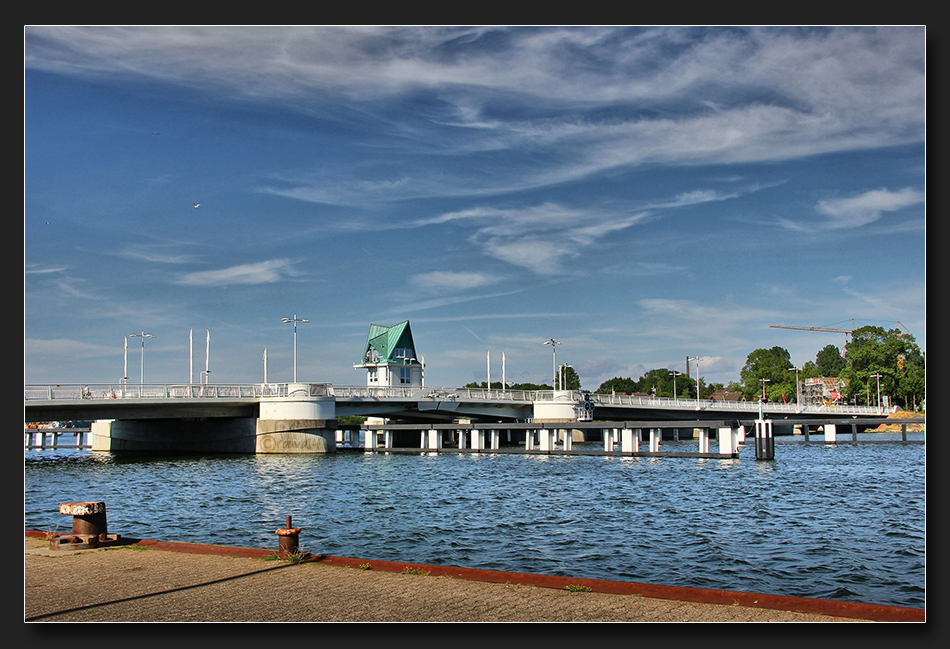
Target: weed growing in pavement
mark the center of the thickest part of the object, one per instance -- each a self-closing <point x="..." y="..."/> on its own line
<point x="575" y="588"/>
<point x="365" y="566"/>
<point x="415" y="571"/>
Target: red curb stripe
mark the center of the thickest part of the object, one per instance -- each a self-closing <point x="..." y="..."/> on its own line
<point x="858" y="610"/>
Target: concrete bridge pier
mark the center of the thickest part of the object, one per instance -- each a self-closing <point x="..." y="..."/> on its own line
<point x="300" y="422"/>
<point x="703" y="440"/>
<point x="831" y="434"/>
<point x="728" y="441"/>
<point x="494" y="439"/>
<point x="630" y="440"/>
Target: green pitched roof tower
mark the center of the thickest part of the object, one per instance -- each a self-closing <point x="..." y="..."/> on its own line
<point x="389" y="356"/>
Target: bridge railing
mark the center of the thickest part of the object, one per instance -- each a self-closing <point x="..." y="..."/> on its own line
<point x="169" y="391"/>
<point x="259" y="390"/>
<point x="709" y="404"/>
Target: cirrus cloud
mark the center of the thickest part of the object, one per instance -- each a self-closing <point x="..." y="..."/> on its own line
<point x="264" y="272"/>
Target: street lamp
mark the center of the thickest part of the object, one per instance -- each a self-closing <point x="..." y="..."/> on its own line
<point x="561" y="377"/>
<point x="697" y="359"/>
<point x="554" y="344"/>
<point x="878" y="375"/>
<point x="143" y="336"/>
<point x="764" y="381"/>
<point x="798" y="393"/>
<point x="295" y="320"/>
<point x="674" y="373"/>
<point x="125" y="362"/>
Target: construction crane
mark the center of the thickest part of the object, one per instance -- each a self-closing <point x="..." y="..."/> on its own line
<point x="846" y="332"/>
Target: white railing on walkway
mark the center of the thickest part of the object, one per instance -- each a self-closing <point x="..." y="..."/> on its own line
<point x="170" y="391"/>
<point x="258" y="390"/>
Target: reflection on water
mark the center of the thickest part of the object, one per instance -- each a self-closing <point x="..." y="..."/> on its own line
<point x="835" y="521"/>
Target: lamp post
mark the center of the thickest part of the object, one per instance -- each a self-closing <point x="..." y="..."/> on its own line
<point x="798" y="394"/>
<point x="764" y="381"/>
<point x="674" y="374"/>
<point x="878" y="376"/>
<point x="295" y="320"/>
<point x="697" y="359"/>
<point x="561" y="373"/>
<point x="143" y="336"/>
<point x="554" y="344"/>
<point x="125" y="362"/>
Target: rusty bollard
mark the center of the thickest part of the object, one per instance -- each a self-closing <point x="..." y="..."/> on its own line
<point x="288" y="539"/>
<point x="90" y="529"/>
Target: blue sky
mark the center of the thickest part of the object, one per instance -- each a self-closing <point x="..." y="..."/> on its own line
<point x="640" y="194"/>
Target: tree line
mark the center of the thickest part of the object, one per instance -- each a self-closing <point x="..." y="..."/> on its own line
<point x="874" y="356"/>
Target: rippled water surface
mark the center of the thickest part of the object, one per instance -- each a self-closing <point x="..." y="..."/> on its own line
<point x="840" y="522"/>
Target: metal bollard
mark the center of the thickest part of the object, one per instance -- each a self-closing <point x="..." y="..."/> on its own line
<point x="89" y="518"/>
<point x="288" y="539"/>
<point x="90" y="529"/>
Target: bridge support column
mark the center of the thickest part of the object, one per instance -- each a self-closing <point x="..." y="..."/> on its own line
<point x="728" y="441"/>
<point x="568" y="443"/>
<point x="387" y="439"/>
<point x="493" y="439"/>
<point x="529" y="443"/>
<point x="764" y="443"/>
<point x="546" y="439"/>
<point x="435" y="439"/>
<point x="831" y="434"/>
<point x="302" y="422"/>
<point x="655" y="434"/>
<point x="630" y="440"/>
<point x="703" y="440"/>
<point x="101" y="433"/>
<point x="478" y="439"/>
<point x="369" y="440"/>
<point x="608" y="435"/>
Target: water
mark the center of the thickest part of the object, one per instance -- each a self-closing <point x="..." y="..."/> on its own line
<point x="839" y="522"/>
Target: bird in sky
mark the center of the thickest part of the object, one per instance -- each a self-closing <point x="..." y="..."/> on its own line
<point x="197" y="204"/>
<point x="156" y="133"/>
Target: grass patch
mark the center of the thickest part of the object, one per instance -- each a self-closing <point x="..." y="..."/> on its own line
<point x="577" y="588"/>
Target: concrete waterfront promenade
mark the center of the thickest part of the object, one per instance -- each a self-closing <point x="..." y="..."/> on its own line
<point x="155" y="581"/>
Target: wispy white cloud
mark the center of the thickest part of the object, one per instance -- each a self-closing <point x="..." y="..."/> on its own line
<point x="537" y="237"/>
<point x="32" y="269"/>
<point x="868" y="207"/>
<point x="857" y="211"/>
<point x="440" y="280"/>
<point x="156" y="254"/>
<point x="264" y="272"/>
<point x="701" y="95"/>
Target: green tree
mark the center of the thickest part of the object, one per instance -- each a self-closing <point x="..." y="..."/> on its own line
<point x="530" y="386"/>
<point x="829" y="361"/>
<point x="890" y="356"/>
<point x="770" y="365"/>
<point x="618" y="385"/>
<point x="658" y="382"/>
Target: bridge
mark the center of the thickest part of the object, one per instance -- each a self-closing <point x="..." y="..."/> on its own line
<point x="302" y="417"/>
